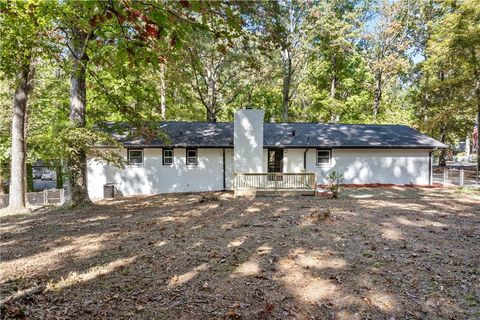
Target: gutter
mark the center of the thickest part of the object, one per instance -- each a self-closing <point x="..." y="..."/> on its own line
<point x="224" y="180"/>
<point x="430" y="173"/>
<point x="158" y="146"/>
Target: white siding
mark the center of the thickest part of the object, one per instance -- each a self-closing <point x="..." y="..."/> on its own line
<point x="363" y="166"/>
<point x="229" y="169"/>
<point x="154" y="178"/>
<point x="293" y="160"/>
<point x="359" y="166"/>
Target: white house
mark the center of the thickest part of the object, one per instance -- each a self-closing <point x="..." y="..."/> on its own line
<point x="203" y="156"/>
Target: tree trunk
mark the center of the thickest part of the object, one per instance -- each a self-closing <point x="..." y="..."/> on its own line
<point x="443" y="153"/>
<point x="211" y="103"/>
<point x="2" y="191"/>
<point x="333" y="86"/>
<point x="333" y="90"/>
<point x="378" y="93"/>
<point x="163" y="100"/>
<point x="77" y="163"/>
<point x="17" y="183"/>
<point x="29" y="177"/>
<point x="287" y="81"/>
<point x="211" y="115"/>
<point x="476" y="72"/>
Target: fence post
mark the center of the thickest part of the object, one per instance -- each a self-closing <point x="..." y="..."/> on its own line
<point x="45" y="199"/>
<point x="462" y="173"/>
<point x="445" y="175"/>
<point x="62" y="196"/>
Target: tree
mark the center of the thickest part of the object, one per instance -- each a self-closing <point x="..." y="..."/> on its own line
<point x="457" y="39"/>
<point x="132" y="30"/>
<point x="25" y="26"/>
<point x="336" y="71"/>
<point x="281" y="27"/>
<point x="293" y="50"/>
<point x="217" y="71"/>
<point x="387" y="43"/>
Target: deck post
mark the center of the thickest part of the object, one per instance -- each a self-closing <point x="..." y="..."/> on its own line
<point x="234" y="184"/>
<point x="276" y="184"/>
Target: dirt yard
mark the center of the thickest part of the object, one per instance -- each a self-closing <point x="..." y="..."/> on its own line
<point x="376" y="254"/>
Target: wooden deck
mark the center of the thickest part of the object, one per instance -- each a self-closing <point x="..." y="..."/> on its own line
<point x="277" y="183"/>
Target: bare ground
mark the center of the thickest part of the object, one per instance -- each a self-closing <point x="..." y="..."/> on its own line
<point x="383" y="254"/>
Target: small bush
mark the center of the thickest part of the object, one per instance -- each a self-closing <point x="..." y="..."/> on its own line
<point x="335" y="183"/>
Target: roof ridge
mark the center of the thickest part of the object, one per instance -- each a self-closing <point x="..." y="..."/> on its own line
<point x="271" y="123"/>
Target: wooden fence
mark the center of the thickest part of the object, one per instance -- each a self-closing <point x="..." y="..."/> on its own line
<point x="45" y="197"/>
<point x="274" y="183"/>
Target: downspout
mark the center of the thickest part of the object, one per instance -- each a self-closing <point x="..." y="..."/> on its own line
<point x="305" y="159"/>
<point x="224" y="185"/>
<point x="430" y="177"/>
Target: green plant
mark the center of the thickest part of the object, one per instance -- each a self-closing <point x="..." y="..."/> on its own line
<point x="335" y="183"/>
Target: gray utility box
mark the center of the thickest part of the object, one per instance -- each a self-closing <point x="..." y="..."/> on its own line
<point x="109" y="190"/>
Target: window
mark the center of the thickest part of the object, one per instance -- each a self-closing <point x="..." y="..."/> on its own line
<point x="192" y="157"/>
<point x="323" y="157"/>
<point x="135" y="157"/>
<point x="167" y="158"/>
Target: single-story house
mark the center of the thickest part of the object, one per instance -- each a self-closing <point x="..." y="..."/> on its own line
<point x="201" y="156"/>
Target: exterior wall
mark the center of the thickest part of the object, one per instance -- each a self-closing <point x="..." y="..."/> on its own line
<point x="154" y="178"/>
<point x="228" y="169"/>
<point x="265" y="161"/>
<point x="293" y="160"/>
<point x="248" y="140"/>
<point x="364" y="166"/>
<point x="359" y="166"/>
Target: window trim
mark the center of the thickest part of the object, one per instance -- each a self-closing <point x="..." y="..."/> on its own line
<point x="163" y="156"/>
<point x="329" y="158"/>
<point x="196" y="156"/>
<point x="135" y="164"/>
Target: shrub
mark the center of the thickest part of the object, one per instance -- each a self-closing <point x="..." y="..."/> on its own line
<point x="335" y="183"/>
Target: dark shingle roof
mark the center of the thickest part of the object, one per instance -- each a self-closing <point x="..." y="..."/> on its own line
<point x="346" y="136"/>
<point x="318" y="135"/>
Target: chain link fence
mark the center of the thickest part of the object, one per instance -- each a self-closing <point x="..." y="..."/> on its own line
<point x="45" y="197"/>
<point x="457" y="175"/>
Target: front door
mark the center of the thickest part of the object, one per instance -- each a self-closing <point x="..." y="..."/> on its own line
<point x="275" y="160"/>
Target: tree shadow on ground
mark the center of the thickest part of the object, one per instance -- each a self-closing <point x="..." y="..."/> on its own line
<point x="204" y="256"/>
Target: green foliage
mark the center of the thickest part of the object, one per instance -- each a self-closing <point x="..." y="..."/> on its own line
<point x="227" y="55"/>
<point x="444" y="96"/>
<point x="335" y="183"/>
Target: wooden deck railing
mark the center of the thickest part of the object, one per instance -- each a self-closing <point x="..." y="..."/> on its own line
<point x="274" y="183"/>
